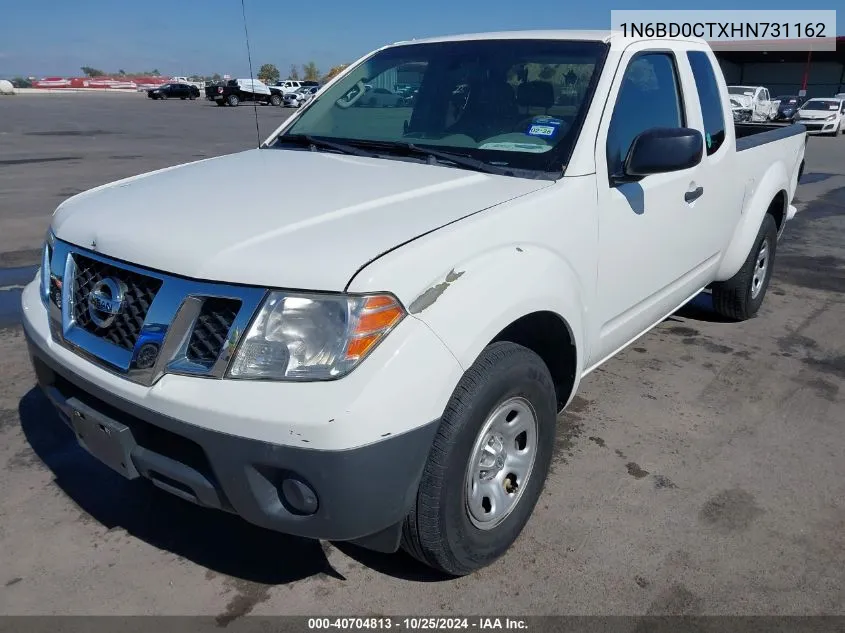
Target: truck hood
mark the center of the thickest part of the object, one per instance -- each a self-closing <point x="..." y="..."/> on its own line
<point x="276" y="217"/>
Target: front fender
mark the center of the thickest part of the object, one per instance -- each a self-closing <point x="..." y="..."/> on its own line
<point x="756" y="202"/>
<point x="467" y="306"/>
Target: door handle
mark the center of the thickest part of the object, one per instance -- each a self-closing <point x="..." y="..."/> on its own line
<point x="695" y="194"/>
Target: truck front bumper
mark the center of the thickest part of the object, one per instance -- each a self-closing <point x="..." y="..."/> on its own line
<point x="360" y="494"/>
<point x="339" y="460"/>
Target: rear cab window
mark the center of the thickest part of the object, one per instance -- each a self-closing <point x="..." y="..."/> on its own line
<point x="710" y="99"/>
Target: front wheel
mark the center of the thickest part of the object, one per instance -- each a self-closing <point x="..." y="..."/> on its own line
<point x="488" y="463"/>
<point x="233" y="100"/>
<point x="740" y="297"/>
<point x="275" y="100"/>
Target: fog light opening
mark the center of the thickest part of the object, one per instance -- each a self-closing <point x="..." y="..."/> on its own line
<point x="299" y="497"/>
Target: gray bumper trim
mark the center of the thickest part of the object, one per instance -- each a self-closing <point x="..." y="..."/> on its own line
<point x="363" y="493"/>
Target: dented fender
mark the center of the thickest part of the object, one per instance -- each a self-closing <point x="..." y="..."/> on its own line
<point x="473" y="301"/>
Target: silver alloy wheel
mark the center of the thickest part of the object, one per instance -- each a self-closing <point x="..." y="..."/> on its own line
<point x="760" y="268"/>
<point x="501" y="463"/>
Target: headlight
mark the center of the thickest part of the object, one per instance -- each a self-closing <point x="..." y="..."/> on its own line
<point x="313" y="336"/>
<point x="46" y="258"/>
<point x="831" y="117"/>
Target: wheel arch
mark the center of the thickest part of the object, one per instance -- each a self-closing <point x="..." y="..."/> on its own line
<point x="548" y="335"/>
<point x="769" y="196"/>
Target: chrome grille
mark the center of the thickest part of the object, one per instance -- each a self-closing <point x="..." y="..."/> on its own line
<point x="139" y="295"/>
<point x="164" y="324"/>
<point x="212" y="329"/>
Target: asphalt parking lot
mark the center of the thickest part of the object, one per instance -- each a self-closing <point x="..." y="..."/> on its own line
<point x="702" y="471"/>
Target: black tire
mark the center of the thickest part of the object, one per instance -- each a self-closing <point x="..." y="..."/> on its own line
<point x="438" y="531"/>
<point x="233" y="100"/>
<point x="162" y="97"/>
<point x="735" y="298"/>
<point x="183" y="98"/>
<point x="275" y="100"/>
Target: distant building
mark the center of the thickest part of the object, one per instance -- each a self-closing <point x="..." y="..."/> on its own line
<point x="783" y="72"/>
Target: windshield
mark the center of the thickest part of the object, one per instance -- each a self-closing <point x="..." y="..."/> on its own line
<point x="516" y="103"/>
<point x="821" y="105"/>
<point x="740" y="90"/>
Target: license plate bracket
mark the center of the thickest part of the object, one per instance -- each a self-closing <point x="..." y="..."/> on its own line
<point x="106" y="439"/>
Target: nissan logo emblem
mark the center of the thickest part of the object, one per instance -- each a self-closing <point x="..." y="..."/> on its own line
<point x="105" y="301"/>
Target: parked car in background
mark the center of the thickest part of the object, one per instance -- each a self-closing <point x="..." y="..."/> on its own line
<point x="381" y="98"/>
<point x="822" y="116"/>
<point x="234" y="91"/>
<point x="300" y="97"/>
<point x="751" y="103"/>
<point x="288" y="86"/>
<point x="407" y="92"/>
<point x="292" y="85"/>
<point x="787" y="107"/>
<point x="174" y="91"/>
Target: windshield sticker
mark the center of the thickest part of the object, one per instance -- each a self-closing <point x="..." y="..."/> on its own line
<point x="517" y="147"/>
<point x="545" y="127"/>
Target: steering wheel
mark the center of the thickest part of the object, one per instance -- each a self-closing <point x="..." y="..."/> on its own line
<point x="350" y="101"/>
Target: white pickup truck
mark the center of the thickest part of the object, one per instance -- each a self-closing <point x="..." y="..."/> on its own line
<point x="752" y="103"/>
<point x="385" y="364"/>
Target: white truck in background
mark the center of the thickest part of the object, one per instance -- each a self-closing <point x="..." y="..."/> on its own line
<point x="385" y="364"/>
<point x="752" y="104"/>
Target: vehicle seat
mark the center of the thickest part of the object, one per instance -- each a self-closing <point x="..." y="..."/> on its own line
<point x="533" y="98"/>
<point x="535" y="94"/>
<point x="491" y="109"/>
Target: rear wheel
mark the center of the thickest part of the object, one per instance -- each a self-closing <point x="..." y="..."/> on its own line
<point x="740" y="297"/>
<point x="488" y="463"/>
<point x="233" y="100"/>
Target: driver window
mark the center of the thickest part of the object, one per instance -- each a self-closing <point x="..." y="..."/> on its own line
<point x="649" y="96"/>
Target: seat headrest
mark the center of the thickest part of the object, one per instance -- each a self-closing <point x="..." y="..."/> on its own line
<point x="536" y="94"/>
<point x="492" y="91"/>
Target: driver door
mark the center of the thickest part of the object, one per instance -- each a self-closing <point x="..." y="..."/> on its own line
<point x="650" y="259"/>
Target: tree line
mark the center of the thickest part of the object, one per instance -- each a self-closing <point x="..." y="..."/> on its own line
<point x="269" y="73"/>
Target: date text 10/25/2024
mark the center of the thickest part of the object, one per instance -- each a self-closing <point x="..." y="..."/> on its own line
<point x="479" y="623"/>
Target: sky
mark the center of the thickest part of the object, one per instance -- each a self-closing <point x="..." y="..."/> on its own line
<point x="184" y="37"/>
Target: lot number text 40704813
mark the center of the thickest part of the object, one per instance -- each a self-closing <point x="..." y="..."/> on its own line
<point x="419" y="623"/>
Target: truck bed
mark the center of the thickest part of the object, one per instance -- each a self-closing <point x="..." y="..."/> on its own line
<point x="750" y="135"/>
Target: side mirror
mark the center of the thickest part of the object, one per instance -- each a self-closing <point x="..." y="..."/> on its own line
<point x="662" y="150"/>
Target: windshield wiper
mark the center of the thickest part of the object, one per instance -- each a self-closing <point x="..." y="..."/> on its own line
<point x="461" y="160"/>
<point x="376" y="149"/>
<point x="316" y="143"/>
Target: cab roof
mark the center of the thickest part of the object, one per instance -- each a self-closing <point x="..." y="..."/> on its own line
<point x="616" y="39"/>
